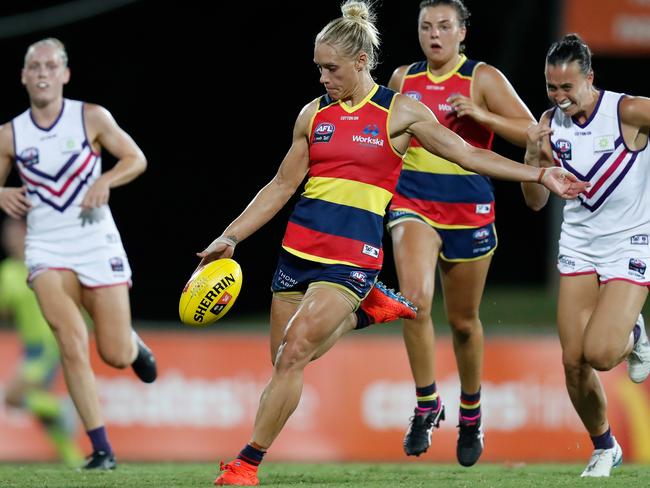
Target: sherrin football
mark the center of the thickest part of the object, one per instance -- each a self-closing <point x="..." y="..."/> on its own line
<point x="210" y="292"/>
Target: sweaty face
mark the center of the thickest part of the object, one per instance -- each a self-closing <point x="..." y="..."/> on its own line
<point x="44" y="74"/>
<point x="568" y="88"/>
<point x="338" y="74"/>
<point x="440" y="33"/>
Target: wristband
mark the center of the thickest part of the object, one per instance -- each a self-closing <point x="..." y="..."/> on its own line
<point x="541" y="175"/>
<point x="228" y="240"/>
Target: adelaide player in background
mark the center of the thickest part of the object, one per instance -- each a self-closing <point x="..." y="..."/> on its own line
<point x="442" y="216"/>
<point x="350" y="143"/>
<point x="73" y="250"/>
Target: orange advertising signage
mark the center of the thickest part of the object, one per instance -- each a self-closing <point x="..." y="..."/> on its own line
<point x="356" y="403"/>
<point x="611" y="27"/>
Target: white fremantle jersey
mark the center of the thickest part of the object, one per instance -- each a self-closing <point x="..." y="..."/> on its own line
<point x="57" y="166"/>
<point x="612" y="219"/>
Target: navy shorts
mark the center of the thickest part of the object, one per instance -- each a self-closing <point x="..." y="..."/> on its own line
<point x="295" y="274"/>
<point x="458" y="245"/>
<point x="467" y="244"/>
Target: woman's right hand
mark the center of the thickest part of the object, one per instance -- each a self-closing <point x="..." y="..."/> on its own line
<point x="14" y="201"/>
<point x="534" y="138"/>
<point x="221" y="247"/>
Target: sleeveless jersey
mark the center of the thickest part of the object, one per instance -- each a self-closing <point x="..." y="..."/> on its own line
<point x="441" y="192"/>
<point x="58" y="165"/>
<point x="353" y="171"/>
<point x="612" y="219"/>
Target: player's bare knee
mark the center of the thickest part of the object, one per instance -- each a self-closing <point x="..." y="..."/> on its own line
<point x="421" y="299"/>
<point x="574" y="368"/>
<point x="73" y="350"/>
<point x="119" y="358"/>
<point x="465" y="327"/>
<point x="600" y="360"/>
<point x="295" y="353"/>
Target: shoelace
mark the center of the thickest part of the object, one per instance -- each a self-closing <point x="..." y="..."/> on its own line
<point x="428" y="418"/>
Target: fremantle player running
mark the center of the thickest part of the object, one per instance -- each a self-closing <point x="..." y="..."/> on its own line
<point x="602" y="137"/>
<point x="73" y="249"/>
<point x="350" y="144"/>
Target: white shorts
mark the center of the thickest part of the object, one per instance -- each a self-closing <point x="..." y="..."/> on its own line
<point x="634" y="270"/>
<point x="93" y="252"/>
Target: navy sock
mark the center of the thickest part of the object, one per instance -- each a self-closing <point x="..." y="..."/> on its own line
<point x="637" y="333"/>
<point x="99" y="440"/>
<point x="470" y="408"/>
<point x="251" y="455"/>
<point x="603" y="441"/>
<point x="363" y="319"/>
<point x="427" y="397"/>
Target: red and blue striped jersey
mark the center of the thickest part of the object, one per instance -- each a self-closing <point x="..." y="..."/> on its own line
<point x="353" y="171"/>
<point x="439" y="191"/>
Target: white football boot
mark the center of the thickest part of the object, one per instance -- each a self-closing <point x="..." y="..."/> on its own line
<point x="602" y="461"/>
<point x="638" y="361"/>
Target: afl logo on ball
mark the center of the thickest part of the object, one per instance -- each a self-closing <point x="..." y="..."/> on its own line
<point x="323" y="132"/>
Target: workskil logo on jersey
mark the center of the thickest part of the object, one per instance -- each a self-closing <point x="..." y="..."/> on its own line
<point x="29" y="156"/>
<point x="369" y="137"/>
<point x="563" y="149"/>
<point x="323" y="132"/>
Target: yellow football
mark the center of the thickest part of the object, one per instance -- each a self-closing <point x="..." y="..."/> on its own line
<point x="210" y="292"/>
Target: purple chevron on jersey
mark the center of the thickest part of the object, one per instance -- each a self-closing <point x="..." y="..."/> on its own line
<point x="63" y="169"/>
<point x="73" y="194"/>
<point x="608" y="181"/>
<point x="601" y="199"/>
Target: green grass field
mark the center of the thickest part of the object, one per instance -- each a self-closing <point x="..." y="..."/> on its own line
<point x="171" y="475"/>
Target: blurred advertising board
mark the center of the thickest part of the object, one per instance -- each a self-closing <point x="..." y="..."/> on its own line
<point x="356" y="403"/>
<point x="610" y="27"/>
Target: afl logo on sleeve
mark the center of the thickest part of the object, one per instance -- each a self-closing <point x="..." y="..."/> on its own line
<point x="323" y="132"/>
<point x="29" y="156"/>
<point x="417" y="96"/>
<point x="563" y="148"/>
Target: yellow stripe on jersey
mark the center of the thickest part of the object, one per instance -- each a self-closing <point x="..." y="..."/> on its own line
<point x="441" y="78"/>
<point x="390" y="113"/>
<point x="356" y="107"/>
<point x="419" y="159"/>
<point x="318" y="259"/>
<point x="432" y="223"/>
<point x="348" y="192"/>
